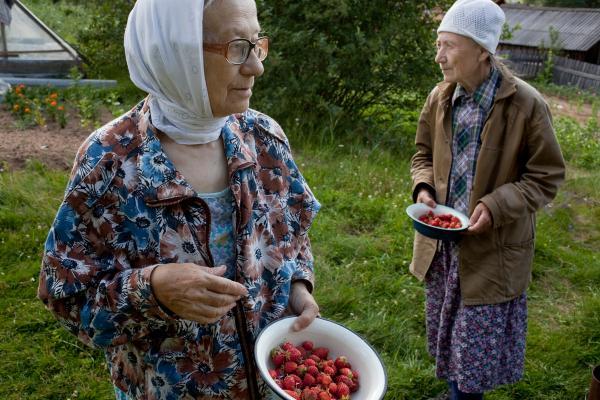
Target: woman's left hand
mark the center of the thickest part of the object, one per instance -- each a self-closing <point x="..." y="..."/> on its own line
<point x="481" y="220"/>
<point x="303" y="304"/>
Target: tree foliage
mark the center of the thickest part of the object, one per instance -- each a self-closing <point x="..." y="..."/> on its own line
<point x="101" y="43"/>
<point x="328" y="58"/>
<point x="337" y="58"/>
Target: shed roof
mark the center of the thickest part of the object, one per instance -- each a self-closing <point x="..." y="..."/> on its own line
<point x="578" y="28"/>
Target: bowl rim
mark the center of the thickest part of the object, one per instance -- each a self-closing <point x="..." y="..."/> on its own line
<point x="446" y="209"/>
<point x="268" y="379"/>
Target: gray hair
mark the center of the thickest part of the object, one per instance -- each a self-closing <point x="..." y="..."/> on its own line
<point x="208" y="3"/>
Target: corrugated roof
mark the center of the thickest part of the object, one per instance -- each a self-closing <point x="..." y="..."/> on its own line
<point x="578" y="28"/>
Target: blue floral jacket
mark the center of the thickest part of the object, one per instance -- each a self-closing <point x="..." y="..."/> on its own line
<point x="127" y="209"/>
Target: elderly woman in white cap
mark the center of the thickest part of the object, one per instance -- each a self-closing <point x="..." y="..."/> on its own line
<point x="486" y="147"/>
<point x="183" y="231"/>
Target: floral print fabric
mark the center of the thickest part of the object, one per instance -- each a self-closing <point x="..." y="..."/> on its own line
<point x="126" y="209"/>
<point x="478" y="347"/>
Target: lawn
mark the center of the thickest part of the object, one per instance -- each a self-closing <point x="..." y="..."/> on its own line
<point x="362" y="243"/>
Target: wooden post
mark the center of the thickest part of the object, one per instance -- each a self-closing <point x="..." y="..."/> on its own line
<point x="3" y="33"/>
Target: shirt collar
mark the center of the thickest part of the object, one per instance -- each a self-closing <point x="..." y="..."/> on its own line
<point x="161" y="183"/>
<point x="484" y="94"/>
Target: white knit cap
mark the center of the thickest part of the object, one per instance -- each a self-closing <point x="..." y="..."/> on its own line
<point x="480" y="20"/>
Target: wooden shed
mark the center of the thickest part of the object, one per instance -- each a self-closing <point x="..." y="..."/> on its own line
<point x="578" y="30"/>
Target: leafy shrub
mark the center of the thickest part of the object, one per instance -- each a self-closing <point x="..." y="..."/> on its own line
<point x="330" y="61"/>
<point x="580" y="144"/>
<point x="101" y="42"/>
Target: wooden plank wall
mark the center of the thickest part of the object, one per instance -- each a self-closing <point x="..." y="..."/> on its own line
<point x="528" y="63"/>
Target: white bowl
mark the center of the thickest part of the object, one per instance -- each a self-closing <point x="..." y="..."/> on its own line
<point x="416" y="210"/>
<point x="340" y="340"/>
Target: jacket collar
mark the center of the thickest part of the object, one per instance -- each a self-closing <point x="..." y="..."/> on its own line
<point x="160" y="183"/>
<point x="508" y="87"/>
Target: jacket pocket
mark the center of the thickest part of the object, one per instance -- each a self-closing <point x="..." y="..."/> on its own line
<point x="517" y="261"/>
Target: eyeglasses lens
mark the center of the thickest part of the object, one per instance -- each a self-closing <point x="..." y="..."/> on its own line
<point x="239" y="50"/>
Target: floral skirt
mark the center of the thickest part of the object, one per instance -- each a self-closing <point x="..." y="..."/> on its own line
<point x="479" y="347"/>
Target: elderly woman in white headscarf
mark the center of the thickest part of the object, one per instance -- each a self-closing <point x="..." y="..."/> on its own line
<point x="183" y="231"/>
<point x="486" y="147"/>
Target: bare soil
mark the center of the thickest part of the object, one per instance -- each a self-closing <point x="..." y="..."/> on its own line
<point x="51" y="145"/>
<point x="56" y="147"/>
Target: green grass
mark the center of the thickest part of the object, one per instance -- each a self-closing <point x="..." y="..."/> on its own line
<point x="362" y="244"/>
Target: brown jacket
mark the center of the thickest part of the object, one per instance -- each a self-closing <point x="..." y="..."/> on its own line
<point x="519" y="169"/>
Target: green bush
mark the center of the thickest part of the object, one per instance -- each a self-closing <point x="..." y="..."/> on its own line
<point x="580" y="144"/>
<point x="101" y="42"/>
<point x="331" y="61"/>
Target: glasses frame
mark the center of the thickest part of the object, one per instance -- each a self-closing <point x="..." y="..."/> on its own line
<point x="222" y="48"/>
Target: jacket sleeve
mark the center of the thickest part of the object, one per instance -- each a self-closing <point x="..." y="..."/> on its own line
<point x="542" y="171"/>
<point x="86" y="283"/>
<point x="422" y="161"/>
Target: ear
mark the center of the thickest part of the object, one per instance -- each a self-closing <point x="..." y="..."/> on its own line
<point x="484" y="55"/>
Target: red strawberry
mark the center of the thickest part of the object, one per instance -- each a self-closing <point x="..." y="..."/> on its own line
<point x="324" y="396"/>
<point x="342" y="362"/>
<point x="290" y="367"/>
<point x="343" y="379"/>
<point x="273" y="373"/>
<point x="314" y="357"/>
<point x="287" y="346"/>
<point x="333" y="388"/>
<point x="324" y="379"/>
<point x="346" y="372"/>
<point x="294" y="354"/>
<point x="329" y="370"/>
<point x="301" y="370"/>
<point x="308" y="380"/>
<point x="321" y="352"/>
<point x="313" y="370"/>
<point x="354" y="374"/>
<point x="343" y="389"/>
<point x="289" y="382"/>
<point x="308" y="394"/>
<point x="309" y="361"/>
<point x="308" y="345"/>
<point x="277" y="356"/>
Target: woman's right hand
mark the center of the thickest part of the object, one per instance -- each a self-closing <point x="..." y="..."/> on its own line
<point x="425" y="196"/>
<point x="195" y="292"/>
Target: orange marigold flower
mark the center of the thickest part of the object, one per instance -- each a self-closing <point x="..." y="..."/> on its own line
<point x="53" y="95"/>
<point x="16" y="107"/>
<point x="27" y="110"/>
<point x="61" y="108"/>
<point x="53" y="103"/>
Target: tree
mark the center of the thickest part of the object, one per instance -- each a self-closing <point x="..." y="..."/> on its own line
<point x="337" y="58"/>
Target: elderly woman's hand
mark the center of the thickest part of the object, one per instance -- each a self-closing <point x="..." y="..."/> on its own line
<point x="424" y="196"/>
<point x="303" y="304"/>
<point x="481" y="220"/>
<point x="194" y="292"/>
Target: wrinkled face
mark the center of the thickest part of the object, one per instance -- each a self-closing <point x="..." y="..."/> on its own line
<point x="459" y="57"/>
<point x="230" y="86"/>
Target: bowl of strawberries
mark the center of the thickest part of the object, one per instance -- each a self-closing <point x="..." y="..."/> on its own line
<point x="441" y="222"/>
<point x="322" y="362"/>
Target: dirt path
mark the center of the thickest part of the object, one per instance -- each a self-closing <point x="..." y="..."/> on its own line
<point x="56" y="148"/>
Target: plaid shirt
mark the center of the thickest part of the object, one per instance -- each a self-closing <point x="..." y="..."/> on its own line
<point x="469" y="113"/>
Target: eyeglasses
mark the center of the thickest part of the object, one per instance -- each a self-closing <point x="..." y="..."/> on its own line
<point x="237" y="51"/>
